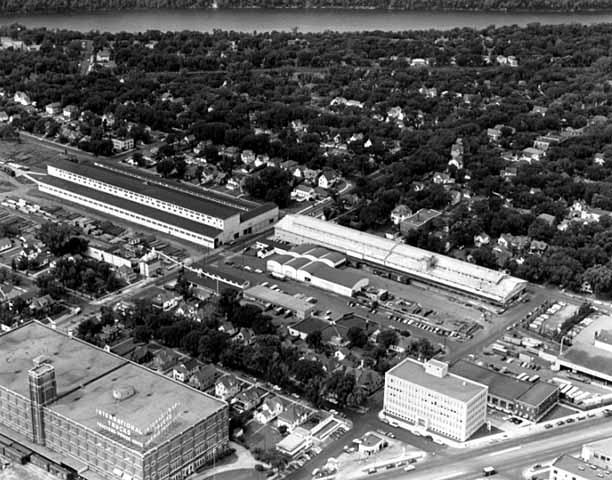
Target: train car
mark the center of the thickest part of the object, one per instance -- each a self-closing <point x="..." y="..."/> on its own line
<point x="25" y="451"/>
<point x="4" y="440"/>
<point x="15" y="455"/>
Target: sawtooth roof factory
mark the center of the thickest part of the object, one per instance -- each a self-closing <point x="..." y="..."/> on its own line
<point x="403" y="261"/>
<point x="198" y="215"/>
<point x="100" y="415"/>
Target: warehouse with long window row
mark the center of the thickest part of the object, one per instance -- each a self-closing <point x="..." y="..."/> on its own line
<point x="185" y="211"/>
<point x="403" y="261"/>
<point x="100" y="416"/>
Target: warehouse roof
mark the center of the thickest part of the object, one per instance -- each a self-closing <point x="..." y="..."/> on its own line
<point x="586" y="356"/>
<point x="139" y="208"/>
<point x="314" y="251"/>
<point x="311" y="325"/>
<point x="600" y="445"/>
<point x="447" y="271"/>
<point x="605" y="336"/>
<point x="303" y="248"/>
<point x="297" y="262"/>
<point x="334" y="257"/>
<point x="21" y="345"/>
<point x="267" y="295"/>
<point x="451" y="385"/>
<point x="88" y="380"/>
<point x="213" y="282"/>
<point x="241" y="203"/>
<point x="500" y="385"/>
<point x="279" y="258"/>
<point x="538" y="393"/>
<point x="186" y="196"/>
<point x="579" y="468"/>
<point x="346" y="278"/>
<point x="505" y="386"/>
<point x="220" y="272"/>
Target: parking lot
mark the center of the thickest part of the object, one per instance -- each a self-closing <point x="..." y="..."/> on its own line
<point x="335" y="306"/>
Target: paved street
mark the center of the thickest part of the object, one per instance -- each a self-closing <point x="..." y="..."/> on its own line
<point x="507" y="457"/>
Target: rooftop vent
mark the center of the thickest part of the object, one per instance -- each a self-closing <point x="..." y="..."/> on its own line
<point x="123" y="393"/>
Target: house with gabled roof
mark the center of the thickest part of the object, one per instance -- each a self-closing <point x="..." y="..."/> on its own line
<point x="245" y="336"/>
<point x="227" y="387"/>
<point x="228" y="328"/>
<point x="165" y="359"/>
<point x="184" y="370"/>
<point x="204" y="377"/>
<point x="271" y="408"/>
<point x="248" y="399"/>
<point x="142" y="354"/>
<point x="293" y="416"/>
<point x="400" y="213"/>
<point x="328" y="179"/>
<point x="41" y="303"/>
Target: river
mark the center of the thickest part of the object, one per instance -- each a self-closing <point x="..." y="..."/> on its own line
<point x="249" y="20"/>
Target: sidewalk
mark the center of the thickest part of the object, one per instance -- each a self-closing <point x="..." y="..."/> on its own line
<point x="243" y="461"/>
<point x="494" y="438"/>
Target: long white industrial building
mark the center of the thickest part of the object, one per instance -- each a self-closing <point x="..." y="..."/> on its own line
<point x="182" y="210"/>
<point x="421" y="265"/>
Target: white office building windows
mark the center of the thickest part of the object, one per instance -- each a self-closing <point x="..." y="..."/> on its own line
<point x="427" y="396"/>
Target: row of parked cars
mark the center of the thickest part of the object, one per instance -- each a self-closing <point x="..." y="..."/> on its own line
<point x="571" y="420"/>
<point x="423" y="326"/>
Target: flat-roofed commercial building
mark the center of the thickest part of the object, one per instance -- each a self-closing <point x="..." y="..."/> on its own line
<point x="100" y="415"/>
<point x="264" y="295"/>
<point x="567" y="467"/>
<point x="402" y="261"/>
<point x="213" y="279"/>
<point x="598" y="453"/>
<point x="511" y="395"/>
<point x="201" y="216"/>
<point x="425" y="395"/>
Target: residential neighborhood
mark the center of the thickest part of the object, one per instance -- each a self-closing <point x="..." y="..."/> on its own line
<point x="306" y="254"/>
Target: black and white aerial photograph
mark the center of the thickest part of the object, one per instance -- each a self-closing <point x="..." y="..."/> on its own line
<point x="305" y="239"/>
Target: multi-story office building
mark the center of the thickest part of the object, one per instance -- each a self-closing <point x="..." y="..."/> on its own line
<point x="201" y="216"/>
<point x="426" y="396"/>
<point x="101" y="416"/>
